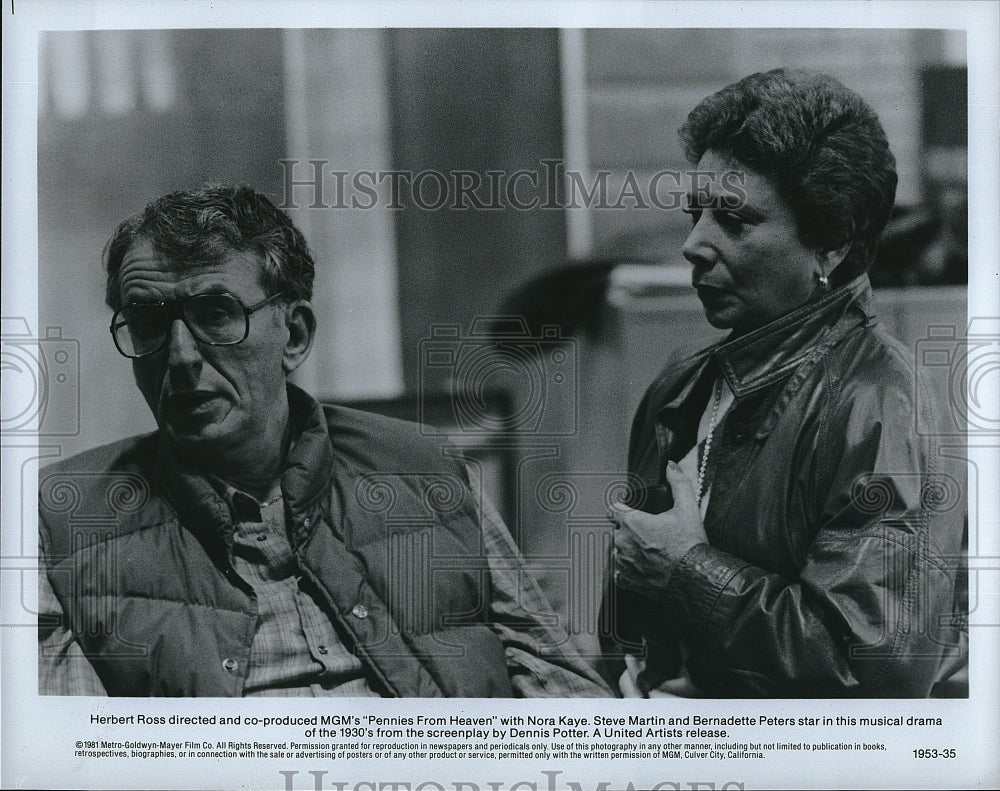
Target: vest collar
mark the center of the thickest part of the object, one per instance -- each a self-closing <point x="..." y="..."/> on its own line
<point x="310" y="461"/>
<point x="305" y="477"/>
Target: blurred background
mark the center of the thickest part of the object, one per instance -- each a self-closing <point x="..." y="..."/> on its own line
<point x="406" y="289"/>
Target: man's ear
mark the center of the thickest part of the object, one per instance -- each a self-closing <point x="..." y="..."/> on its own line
<point x="301" y="323"/>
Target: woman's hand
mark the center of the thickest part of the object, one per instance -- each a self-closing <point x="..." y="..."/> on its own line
<point x="680" y="687"/>
<point x="648" y="547"/>
<point x="628" y="684"/>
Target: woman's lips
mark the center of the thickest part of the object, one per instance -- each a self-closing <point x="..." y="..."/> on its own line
<point x="711" y="293"/>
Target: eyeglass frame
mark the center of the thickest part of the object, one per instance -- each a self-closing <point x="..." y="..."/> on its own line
<point x="175" y="311"/>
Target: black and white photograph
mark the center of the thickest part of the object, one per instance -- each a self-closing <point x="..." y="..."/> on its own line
<point x="624" y="379"/>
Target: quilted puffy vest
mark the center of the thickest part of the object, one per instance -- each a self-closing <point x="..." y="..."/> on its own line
<point x="381" y="522"/>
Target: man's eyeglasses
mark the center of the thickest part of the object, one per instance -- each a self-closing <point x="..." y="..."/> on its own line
<point x="142" y="328"/>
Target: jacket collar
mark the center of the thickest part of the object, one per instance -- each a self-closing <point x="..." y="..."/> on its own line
<point x="787" y="348"/>
<point x="770" y="353"/>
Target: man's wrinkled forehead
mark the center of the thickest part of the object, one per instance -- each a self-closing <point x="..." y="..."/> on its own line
<point x="144" y="264"/>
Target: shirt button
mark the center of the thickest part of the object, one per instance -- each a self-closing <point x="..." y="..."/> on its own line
<point x="359" y="611"/>
<point x="322" y="649"/>
<point x="230" y="665"/>
<point x="741" y="432"/>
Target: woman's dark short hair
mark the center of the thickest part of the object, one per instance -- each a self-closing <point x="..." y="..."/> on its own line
<point x="821" y="146"/>
<point x="198" y="227"/>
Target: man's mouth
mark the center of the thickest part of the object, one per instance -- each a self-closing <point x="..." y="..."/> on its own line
<point x="190" y="403"/>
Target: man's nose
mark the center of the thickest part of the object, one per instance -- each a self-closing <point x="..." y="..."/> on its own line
<point x="182" y="348"/>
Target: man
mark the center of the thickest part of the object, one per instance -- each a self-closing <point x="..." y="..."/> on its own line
<point x="259" y="543"/>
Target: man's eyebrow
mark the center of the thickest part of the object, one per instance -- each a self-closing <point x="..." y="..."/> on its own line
<point x="143" y="296"/>
<point x="188" y="289"/>
<point x="138" y="295"/>
<point x="211" y="288"/>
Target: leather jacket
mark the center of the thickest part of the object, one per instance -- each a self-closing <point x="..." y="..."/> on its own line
<point x="835" y="529"/>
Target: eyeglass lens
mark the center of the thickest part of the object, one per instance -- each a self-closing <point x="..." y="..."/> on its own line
<point x="211" y="318"/>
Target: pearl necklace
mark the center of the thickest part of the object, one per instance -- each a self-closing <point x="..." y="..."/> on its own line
<point x="717" y="388"/>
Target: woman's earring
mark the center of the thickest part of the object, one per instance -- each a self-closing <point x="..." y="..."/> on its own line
<point x="824" y="281"/>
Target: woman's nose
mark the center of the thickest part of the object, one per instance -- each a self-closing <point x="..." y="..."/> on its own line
<point x="697" y="248"/>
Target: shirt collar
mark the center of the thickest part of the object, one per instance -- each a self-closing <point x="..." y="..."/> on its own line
<point x="243" y="505"/>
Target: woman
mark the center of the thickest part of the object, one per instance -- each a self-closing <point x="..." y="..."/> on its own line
<point x="802" y="555"/>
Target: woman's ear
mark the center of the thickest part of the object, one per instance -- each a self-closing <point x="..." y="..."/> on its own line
<point x="301" y="323"/>
<point x="828" y="260"/>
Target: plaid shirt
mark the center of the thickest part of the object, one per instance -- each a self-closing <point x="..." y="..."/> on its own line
<point x="296" y="650"/>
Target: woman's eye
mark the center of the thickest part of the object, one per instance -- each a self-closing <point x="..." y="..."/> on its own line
<point x="729" y="221"/>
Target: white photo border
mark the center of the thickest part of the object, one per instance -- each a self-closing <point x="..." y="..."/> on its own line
<point x="37" y="731"/>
